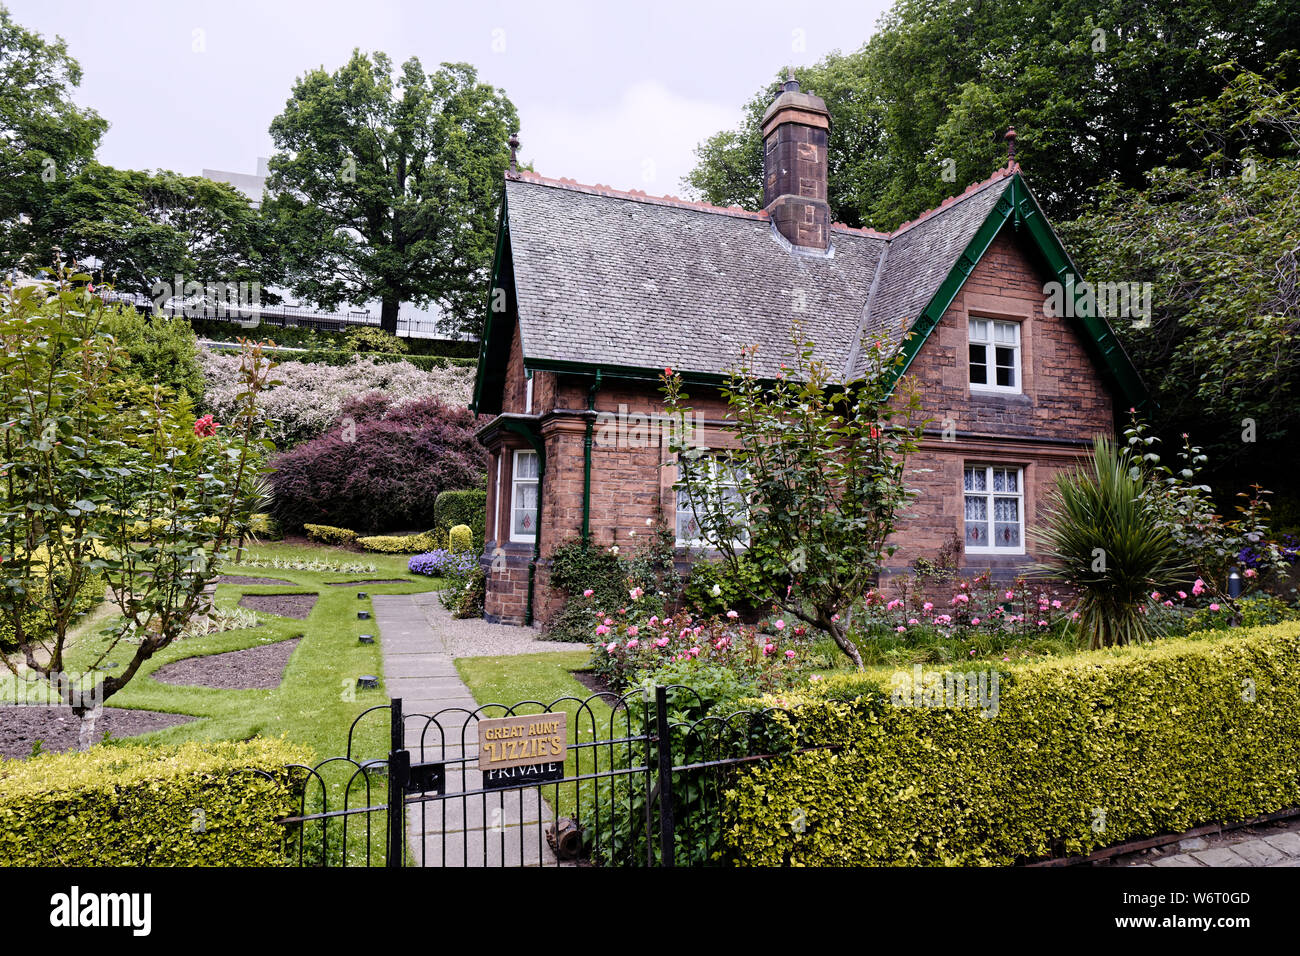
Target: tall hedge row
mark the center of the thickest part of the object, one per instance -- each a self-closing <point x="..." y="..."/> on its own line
<point x="1083" y="752"/>
<point x="196" y="804"/>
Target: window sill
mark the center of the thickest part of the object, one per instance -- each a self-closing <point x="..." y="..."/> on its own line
<point x="998" y="396"/>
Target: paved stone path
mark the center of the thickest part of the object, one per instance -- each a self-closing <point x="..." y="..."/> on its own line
<point x="419" y="640"/>
<point x="1277" y="845"/>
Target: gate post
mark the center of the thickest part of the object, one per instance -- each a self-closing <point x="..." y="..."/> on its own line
<point x="665" y="777"/>
<point x="399" y="772"/>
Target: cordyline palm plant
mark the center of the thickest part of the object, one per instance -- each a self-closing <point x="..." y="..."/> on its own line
<point x="1104" y="536"/>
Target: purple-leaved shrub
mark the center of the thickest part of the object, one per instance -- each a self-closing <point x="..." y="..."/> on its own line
<point x="379" y="467"/>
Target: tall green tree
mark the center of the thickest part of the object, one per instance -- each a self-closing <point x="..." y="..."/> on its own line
<point x="386" y="183"/>
<point x="1090" y="85"/>
<point x="45" y="139"/>
<point x="147" y="228"/>
<point x="1219" y="240"/>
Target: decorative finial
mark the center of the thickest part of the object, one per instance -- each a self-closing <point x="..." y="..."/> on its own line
<point x="791" y="85"/>
<point x="513" y="143"/>
<point x="1011" y="146"/>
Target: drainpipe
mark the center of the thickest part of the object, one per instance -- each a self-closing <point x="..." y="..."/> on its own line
<point x="586" y="461"/>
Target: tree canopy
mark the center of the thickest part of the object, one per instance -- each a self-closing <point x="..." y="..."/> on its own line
<point x="1091" y="87"/>
<point x="386" y="183"/>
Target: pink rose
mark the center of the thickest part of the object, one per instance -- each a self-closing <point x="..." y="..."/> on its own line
<point x="900" y="629"/>
<point x="1198" y="586"/>
<point x="1182" y="595"/>
<point x="769" y="649"/>
<point x="588" y="593"/>
<point x="1214" y="607"/>
<point x="732" y="615"/>
<point x="632" y="643"/>
<point x="789" y="655"/>
<point x="633" y="631"/>
<point x="780" y="625"/>
<point x="927" y="607"/>
<point x="1251" y="572"/>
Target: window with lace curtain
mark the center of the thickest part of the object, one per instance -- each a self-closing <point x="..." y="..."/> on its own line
<point x="995" y="509"/>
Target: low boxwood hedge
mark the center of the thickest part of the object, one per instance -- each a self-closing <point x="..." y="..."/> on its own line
<point x="195" y="804"/>
<point x="1083" y="752"/>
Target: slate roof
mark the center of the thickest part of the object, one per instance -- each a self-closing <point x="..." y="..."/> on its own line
<point x="624" y="279"/>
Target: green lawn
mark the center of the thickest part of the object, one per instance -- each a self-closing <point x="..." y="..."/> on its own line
<point x="317" y="700"/>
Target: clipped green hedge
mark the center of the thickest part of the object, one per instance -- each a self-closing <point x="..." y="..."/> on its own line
<point x="403" y="544"/>
<point x="451" y="508"/>
<point x="186" y="805"/>
<point x="328" y="534"/>
<point x="1083" y="752"/>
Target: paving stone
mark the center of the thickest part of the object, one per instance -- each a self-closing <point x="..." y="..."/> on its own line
<point x="1182" y="859"/>
<point x="1288" y="843"/>
<point x="507" y="846"/>
<point x="1193" y="843"/>
<point x="1220" y="856"/>
<point x="1258" y="852"/>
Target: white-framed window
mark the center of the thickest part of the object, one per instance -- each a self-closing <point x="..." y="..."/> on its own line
<point x="523" y="497"/>
<point x="994" y="355"/>
<point x="995" y="509"/>
<point x="725" y="481"/>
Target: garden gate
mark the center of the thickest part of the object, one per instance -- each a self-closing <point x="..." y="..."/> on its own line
<point x="640" y="784"/>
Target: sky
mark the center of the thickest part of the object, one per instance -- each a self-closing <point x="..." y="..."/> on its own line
<point x="611" y="93"/>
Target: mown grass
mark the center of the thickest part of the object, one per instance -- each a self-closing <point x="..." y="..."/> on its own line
<point x="317" y="700"/>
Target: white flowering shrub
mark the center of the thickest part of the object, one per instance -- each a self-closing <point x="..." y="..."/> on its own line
<point x="312" y="396"/>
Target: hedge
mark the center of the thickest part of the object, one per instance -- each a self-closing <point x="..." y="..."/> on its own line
<point x="462" y="507"/>
<point x="191" y="804"/>
<point x="403" y="544"/>
<point x="339" y="357"/>
<point x="328" y="534"/>
<point x="1084" y="752"/>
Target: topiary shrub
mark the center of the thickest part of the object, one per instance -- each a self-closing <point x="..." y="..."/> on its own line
<point x="136" y="806"/>
<point x="378" y="467"/>
<point x="328" y="534"/>
<point x="367" y="338"/>
<point x="460" y="538"/>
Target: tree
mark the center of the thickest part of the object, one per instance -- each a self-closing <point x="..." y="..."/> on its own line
<point x="1218" y="241"/>
<point x="44" y="137"/>
<point x="920" y="110"/>
<point x="821" y="467"/>
<point x="385" y="186"/>
<point x="148" y="501"/>
<point x="145" y="229"/>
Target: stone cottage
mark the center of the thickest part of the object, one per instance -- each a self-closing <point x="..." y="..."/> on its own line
<point x="595" y="291"/>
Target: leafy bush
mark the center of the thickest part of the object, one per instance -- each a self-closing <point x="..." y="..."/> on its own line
<point x="160" y="350"/>
<point x="310" y="398"/>
<point x="1104" y="537"/>
<point x="465" y="594"/>
<point x="460" y="538"/>
<point x="381" y="466"/>
<point x="462" y="507"/>
<point x="328" y="534"/>
<point x="399" y="544"/>
<point x="443" y="563"/>
<point x="1083" y="752"/>
<point x="136" y="806"/>
<point x="367" y="338"/>
<point x="324" y="340"/>
<point x="717" y="586"/>
<point x="265" y="527"/>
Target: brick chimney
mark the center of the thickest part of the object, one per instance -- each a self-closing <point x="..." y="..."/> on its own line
<point x="795" y="130"/>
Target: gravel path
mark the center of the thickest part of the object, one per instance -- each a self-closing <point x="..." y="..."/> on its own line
<point x="475" y="637"/>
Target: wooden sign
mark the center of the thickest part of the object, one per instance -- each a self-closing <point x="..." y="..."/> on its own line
<point x="520" y="741"/>
<point x="521" y="751"/>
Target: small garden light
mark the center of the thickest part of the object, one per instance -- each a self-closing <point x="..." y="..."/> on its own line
<point x="363" y="615"/>
<point x="368" y="681"/>
<point x="361" y="595"/>
<point x="366" y="639"/>
<point x="1234" y="584"/>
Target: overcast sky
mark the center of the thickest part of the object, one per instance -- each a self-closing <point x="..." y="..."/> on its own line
<point x="616" y="93"/>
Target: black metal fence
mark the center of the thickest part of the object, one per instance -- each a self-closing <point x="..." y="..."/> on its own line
<point x="641" y="785"/>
